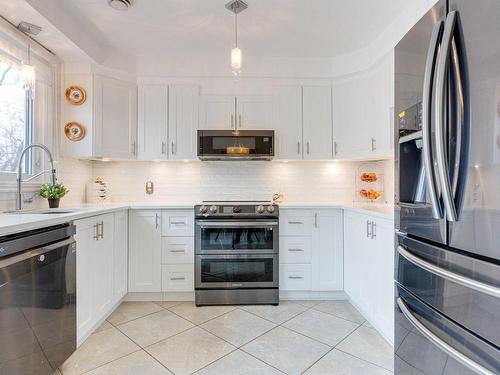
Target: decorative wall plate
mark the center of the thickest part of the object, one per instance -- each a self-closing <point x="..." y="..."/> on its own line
<point x="75" y="95"/>
<point x="74" y="131"/>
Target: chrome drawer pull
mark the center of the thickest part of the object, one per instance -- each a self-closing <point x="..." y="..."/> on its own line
<point x="178" y="222"/>
<point x="448" y="275"/>
<point x="295" y="250"/>
<point x="295" y="277"/>
<point x="177" y="251"/>
<point x="177" y="278"/>
<point x="295" y="222"/>
<point x="452" y="352"/>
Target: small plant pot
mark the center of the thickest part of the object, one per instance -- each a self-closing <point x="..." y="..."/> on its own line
<point x="54" y="202"/>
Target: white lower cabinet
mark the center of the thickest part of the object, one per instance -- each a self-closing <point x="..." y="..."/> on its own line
<point x="101" y="269"/>
<point x="144" y="273"/>
<point x="161" y="251"/>
<point x="369" y="268"/>
<point x="311" y="250"/>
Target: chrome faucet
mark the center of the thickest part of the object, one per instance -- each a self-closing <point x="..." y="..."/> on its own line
<point x="19" y="180"/>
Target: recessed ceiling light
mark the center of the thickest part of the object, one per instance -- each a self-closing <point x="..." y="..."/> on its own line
<point x="120" y="4"/>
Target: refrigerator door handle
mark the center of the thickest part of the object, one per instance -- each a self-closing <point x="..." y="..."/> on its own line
<point x="445" y="347"/>
<point x="427" y="119"/>
<point x="440" y="104"/>
<point x="448" y="275"/>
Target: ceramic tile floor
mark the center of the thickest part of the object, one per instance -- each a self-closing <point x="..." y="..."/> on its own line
<point x="300" y="337"/>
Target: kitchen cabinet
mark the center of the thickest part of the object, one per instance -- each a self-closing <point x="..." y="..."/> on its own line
<point x="317" y="122"/>
<point x="100" y="271"/>
<point x="120" y="255"/>
<point x="152" y="122"/>
<point x="363" y="112"/>
<point x="178" y="223"/>
<point x="287" y="122"/>
<point x="115" y="118"/>
<point x="311" y="249"/>
<point x="327" y="250"/>
<point x="183" y="121"/>
<point x="369" y="268"/>
<point x="145" y="251"/>
<point x="244" y="112"/>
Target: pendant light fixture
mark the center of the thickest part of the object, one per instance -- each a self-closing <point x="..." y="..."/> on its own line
<point x="28" y="73"/>
<point x="236" y="6"/>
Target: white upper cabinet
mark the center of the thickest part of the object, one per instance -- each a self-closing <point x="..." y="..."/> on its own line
<point x="245" y="112"/>
<point x="217" y="112"/>
<point x="317" y="122"/>
<point x="115" y="118"/>
<point x="254" y="112"/>
<point x="287" y="122"/>
<point x="152" y="122"/>
<point x="363" y="112"/>
<point x="183" y="121"/>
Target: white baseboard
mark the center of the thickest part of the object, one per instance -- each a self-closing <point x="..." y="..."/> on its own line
<point x="159" y="296"/>
<point x="313" y="296"/>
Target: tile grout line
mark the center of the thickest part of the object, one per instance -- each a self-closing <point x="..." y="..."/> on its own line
<point x="106" y="363"/>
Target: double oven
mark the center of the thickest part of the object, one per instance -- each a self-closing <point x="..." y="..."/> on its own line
<point x="236" y="253"/>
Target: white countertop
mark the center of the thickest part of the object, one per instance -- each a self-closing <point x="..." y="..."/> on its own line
<point x="14" y="222"/>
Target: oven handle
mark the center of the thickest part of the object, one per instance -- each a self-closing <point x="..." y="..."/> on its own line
<point x="238" y="256"/>
<point x="35" y="252"/>
<point x="445" y="347"/>
<point x="236" y="224"/>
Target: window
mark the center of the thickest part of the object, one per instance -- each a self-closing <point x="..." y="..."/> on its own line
<point x="15" y="124"/>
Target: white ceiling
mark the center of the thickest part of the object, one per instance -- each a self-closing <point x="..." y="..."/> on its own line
<point x="268" y="28"/>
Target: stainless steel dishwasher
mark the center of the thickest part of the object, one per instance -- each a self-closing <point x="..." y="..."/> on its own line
<point x="37" y="300"/>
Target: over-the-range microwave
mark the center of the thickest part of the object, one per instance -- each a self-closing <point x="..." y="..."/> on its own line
<point x="235" y="144"/>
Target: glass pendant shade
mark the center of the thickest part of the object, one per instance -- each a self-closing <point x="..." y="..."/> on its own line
<point x="236" y="61"/>
<point x="28" y="74"/>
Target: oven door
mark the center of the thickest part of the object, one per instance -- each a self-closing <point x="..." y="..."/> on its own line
<point x="236" y="236"/>
<point x="236" y="271"/>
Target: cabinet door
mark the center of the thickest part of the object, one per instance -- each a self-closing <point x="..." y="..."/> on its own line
<point x="86" y="232"/>
<point x="317" y="122"/>
<point x="383" y="108"/>
<point x="115" y="118"/>
<point x="103" y="267"/>
<point x="145" y="251"/>
<point x="183" y="121"/>
<point x="178" y="278"/>
<point x="217" y="112"/>
<point x="352" y="127"/>
<point x="295" y="277"/>
<point x="152" y="122"/>
<point x="177" y="250"/>
<point x="287" y="122"/>
<point x="295" y="249"/>
<point x="327" y="251"/>
<point x="120" y="256"/>
<point x="178" y="223"/>
<point x="255" y="112"/>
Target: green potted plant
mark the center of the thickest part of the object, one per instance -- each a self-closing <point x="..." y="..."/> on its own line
<point x="53" y="193"/>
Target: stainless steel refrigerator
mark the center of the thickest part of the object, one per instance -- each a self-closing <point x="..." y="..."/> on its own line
<point x="447" y="247"/>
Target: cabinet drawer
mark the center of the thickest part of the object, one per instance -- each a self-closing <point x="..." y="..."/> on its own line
<point x="296" y="222"/>
<point x="295" y="249"/>
<point x="295" y="277"/>
<point x="177" y="278"/>
<point x="177" y="250"/>
<point x="177" y="223"/>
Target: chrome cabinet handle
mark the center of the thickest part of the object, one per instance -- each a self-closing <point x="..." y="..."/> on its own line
<point x="295" y="222"/>
<point x="232" y="121"/>
<point x="102" y="229"/>
<point x="374" y="230"/>
<point x="178" y="222"/>
<point x="295" y="250"/>
<point x="315" y="220"/>
<point x="440" y="117"/>
<point x="96" y="231"/>
<point x="134" y="148"/>
<point x="307" y="147"/>
<point x="368" y="225"/>
<point x="240" y="121"/>
<point x="427" y="120"/>
<point x="173" y="148"/>
<point x="335" y="152"/>
<point x="445" y="347"/>
<point x="448" y="275"/>
<point x="295" y="277"/>
<point x="177" y="278"/>
<point x="177" y="251"/>
<point x="298" y="148"/>
<point x="157" y="220"/>
<point x="374" y="144"/>
<point x="163" y="147"/>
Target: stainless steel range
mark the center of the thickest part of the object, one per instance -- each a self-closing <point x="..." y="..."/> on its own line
<point x="236" y="253"/>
